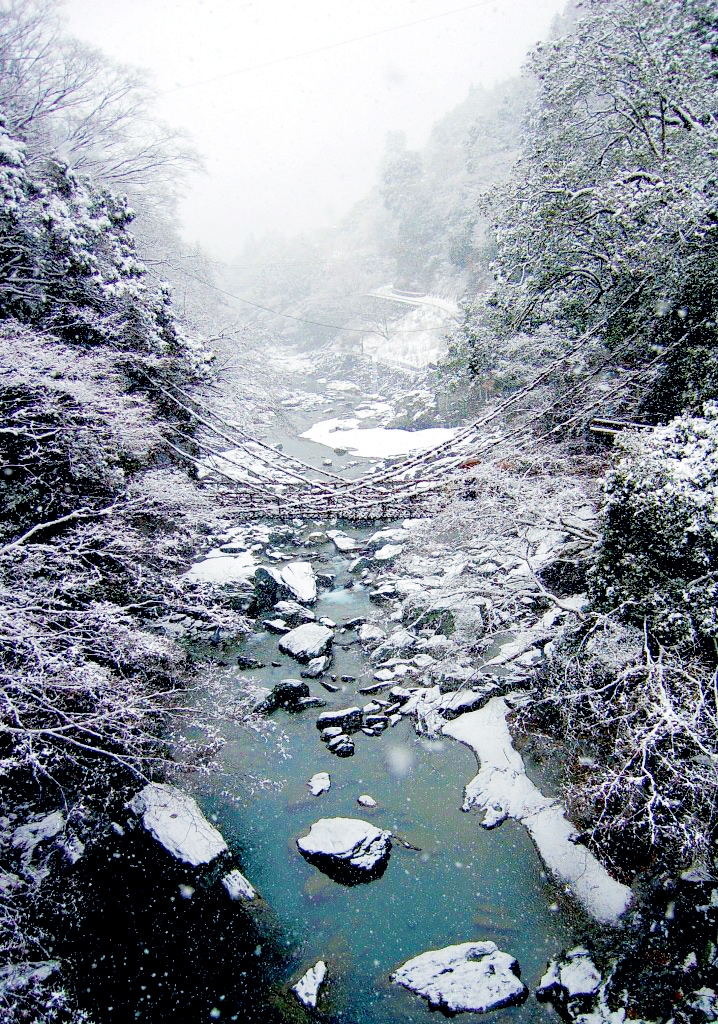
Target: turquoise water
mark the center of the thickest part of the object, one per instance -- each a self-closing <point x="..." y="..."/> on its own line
<point x="464" y="883"/>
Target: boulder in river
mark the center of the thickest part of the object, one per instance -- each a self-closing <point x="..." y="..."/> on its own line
<point x="238" y="887"/>
<point x="293" y="613"/>
<point x="246" y="662"/>
<point x="342" y="541"/>
<point x="278" y="626"/>
<point x="287" y="693"/>
<point x="316" y="667"/>
<point x="307" y="988"/>
<point x="573" y="979"/>
<point x="388" y="553"/>
<point x="400" y="643"/>
<point x="370" y="633"/>
<point x="310" y="702"/>
<point x="176" y="822"/>
<point x="348" y="719"/>
<point x="307" y="642"/>
<point x="341" y="745"/>
<point x="330" y="733"/>
<point x="294" y="581"/>
<point x="319" y="783"/>
<point x="347" y="849"/>
<point x="471" y="977"/>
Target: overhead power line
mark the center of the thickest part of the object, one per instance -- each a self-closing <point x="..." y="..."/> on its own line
<point x="324" y="49"/>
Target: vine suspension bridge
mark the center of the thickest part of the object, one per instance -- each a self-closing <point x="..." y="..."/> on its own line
<point x="262" y="481"/>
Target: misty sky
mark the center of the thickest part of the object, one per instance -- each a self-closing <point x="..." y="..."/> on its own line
<point x="291" y="145"/>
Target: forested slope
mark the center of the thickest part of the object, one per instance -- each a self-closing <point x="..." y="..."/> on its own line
<point x="97" y="521"/>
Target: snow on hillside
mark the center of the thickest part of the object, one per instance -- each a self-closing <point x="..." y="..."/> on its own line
<point x="417" y="339"/>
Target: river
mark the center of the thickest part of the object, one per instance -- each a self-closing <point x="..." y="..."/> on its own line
<point x="464" y="883"/>
<point x="168" y="957"/>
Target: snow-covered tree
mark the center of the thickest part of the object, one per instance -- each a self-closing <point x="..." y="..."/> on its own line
<point x="612" y="210"/>
<point x="659" y="547"/>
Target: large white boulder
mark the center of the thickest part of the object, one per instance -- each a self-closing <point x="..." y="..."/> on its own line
<point x="472" y="977"/>
<point x="294" y="581"/>
<point x="176" y="822"/>
<point x="307" y="988"/>
<point x="347" y="842"/>
<point x="319" y="783"/>
<point x="238" y="887"/>
<point x="306" y="642"/>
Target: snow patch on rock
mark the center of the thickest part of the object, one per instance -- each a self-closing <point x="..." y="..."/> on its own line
<point x="470" y="977"/>
<point x="503" y="788"/>
<point x="176" y="822"/>
<point x="307" y="988"/>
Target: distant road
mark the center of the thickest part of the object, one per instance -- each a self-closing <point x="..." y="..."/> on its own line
<point x="409" y="299"/>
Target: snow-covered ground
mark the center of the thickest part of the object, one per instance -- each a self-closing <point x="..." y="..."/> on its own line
<point x="503" y="789"/>
<point x="417" y="339"/>
<point x="375" y="442"/>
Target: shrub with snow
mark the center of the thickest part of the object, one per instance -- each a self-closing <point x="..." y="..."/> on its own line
<point x="660" y="531"/>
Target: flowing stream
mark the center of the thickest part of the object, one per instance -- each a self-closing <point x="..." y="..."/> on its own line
<point x="464" y="883"/>
<point x="171" y="953"/>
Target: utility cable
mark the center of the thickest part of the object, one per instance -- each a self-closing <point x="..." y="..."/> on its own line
<point x="324" y="49"/>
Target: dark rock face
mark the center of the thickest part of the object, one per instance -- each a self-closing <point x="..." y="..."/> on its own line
<point x="177" y="941"/>
<point x="349" y="719"/>
<point x="289" y="694"/>
<point x="246" y="663"/>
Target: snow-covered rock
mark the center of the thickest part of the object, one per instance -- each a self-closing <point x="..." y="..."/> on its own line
<point x="394" y="535"/>
<point x="307" y="988"/>
<point x="400" y="642"/>
<point x="366" y="801"/>
<point x="472" y="977"/>
<point x="293" y="613"/>
<point x="574" y="976"/>
<point x="347" y="719"/>
<point x="503" y="788"/>
<point x="370" y="633"/>
<point x="319" y="783"/>
<point x="348" y="849"/>
<point x="294" y="581"/>
<point x="341" y="745"/>
<point x="223" y="568"/>
<point x="342" y="541"/>
<point x="307" y="642"/>
<point x="388" y="553"/>
<point x="238" y="887"/>
<point x="176" y="822"/>
<point x="278" y="626"/>
<point x="316" y="667"/>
